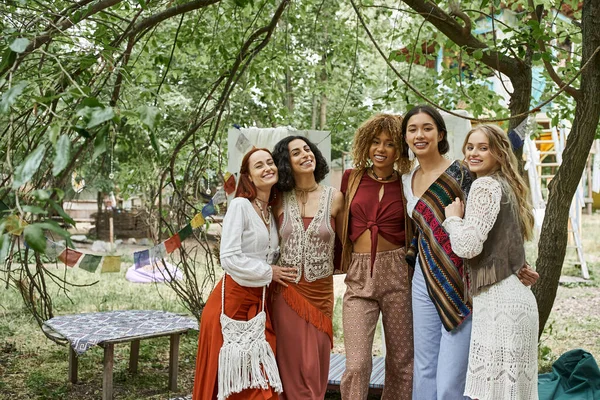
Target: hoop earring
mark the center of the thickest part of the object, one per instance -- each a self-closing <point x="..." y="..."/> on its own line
<point x="411" y="154"/>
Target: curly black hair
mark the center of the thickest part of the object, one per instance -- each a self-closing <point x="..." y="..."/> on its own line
<point x="281" y="156"/>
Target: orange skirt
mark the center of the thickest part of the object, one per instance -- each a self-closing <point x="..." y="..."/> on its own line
<point x="241" y="303"/>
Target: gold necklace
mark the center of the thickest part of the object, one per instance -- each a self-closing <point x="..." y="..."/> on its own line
<point x="304" y="196"/>
<point x="266" y="219"/>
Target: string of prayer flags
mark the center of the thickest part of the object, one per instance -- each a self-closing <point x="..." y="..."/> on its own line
<point x="229" y="185"/>
<point x="158" y="252"/>
<point x="53" y="249"/>
<point x="141" y="258"/>
<point x="208" y="209"/>
<point x="70" y="257"/>
<point x="220" y="197"/>
<point x="172" y="243"/>
<point x="15" y="225"/>
<point x="90" y="262"/>
<point x="111" y="264"/>
<point x="242" y="143"/>
<point x="197" y="221"/>
<point x="185" y="232"/>
<point x="517" y="135"/>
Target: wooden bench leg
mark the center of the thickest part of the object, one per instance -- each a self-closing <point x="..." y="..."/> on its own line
<point x="72" y="365"/>
<point x="107" y="378"/>
<point x="133" y="356"/>
<point x="173" y="361"/>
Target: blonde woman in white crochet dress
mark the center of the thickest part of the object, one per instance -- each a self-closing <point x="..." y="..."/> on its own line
<point x="490" y="236"/>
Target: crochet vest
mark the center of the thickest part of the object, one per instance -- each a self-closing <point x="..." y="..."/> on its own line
<point x="310" y="250"/>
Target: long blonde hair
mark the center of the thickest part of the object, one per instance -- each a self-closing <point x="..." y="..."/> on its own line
<point x="512" y="183"/>
<point x="378" y="123"/>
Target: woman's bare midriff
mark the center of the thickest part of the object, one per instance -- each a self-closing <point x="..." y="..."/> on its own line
<point x="363" y="243"/>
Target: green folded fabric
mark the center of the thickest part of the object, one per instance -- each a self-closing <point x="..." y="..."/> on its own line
<point x="575" y="375"/>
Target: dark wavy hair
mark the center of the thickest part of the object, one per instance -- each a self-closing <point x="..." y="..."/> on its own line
<point x="443" y="145"/>
<point x="245" y="186"/>
<point x="281" y="155"/>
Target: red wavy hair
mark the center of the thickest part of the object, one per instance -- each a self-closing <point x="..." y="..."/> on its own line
<point x="245" y="186"/>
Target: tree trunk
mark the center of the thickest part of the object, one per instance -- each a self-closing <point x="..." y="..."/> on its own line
<point x="553" y="238"/>
<point x="315" y="107"/>
<point x="519" y="103"/>
<point x="289" y="91"/>
<point x="323" y="115"/>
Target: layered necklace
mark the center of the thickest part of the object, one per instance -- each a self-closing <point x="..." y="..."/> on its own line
<point x="383" y="179"/>
<point x="303" y="195"/>
<point x="266" y="217"/>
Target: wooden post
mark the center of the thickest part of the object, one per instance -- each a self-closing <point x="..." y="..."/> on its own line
<point x="133" y="356"/>
<point x="73" y="361"/>
<point x="173" y="361"/>
<point x="107" y="378"/>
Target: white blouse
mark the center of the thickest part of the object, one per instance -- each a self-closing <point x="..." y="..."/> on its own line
<point x="247" y="248"/>
<point x="468" y="234"/>
<point x="411" y="199"/>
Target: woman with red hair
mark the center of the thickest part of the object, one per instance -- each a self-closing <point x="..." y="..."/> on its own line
<point x="236" y="344"/>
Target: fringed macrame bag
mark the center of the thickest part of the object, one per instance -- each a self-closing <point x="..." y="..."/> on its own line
<point x="246" y="360"/>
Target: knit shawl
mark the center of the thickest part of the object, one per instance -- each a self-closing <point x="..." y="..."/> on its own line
<point x="443" y="270"/>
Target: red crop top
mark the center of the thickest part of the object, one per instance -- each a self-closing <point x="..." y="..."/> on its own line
<point x="385" y="217"/>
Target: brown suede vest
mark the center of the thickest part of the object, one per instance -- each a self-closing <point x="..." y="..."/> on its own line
<point x="503" y="252"/>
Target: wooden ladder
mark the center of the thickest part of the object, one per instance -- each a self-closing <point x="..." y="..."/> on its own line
<point x="544" y="157"/>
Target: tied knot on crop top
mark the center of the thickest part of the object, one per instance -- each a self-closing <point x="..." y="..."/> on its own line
<point x="383" y="217"/>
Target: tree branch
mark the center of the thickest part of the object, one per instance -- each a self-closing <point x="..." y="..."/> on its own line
<point x="168" y="13"/>
<point x="549" y="68"/>
<point x="455" y="32"/>
<point x="63" y="25"/>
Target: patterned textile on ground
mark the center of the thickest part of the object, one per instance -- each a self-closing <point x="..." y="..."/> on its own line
<point x="84" y="331"/>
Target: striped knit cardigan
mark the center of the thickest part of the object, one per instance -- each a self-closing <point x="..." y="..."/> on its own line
<point x="443" y="270"/>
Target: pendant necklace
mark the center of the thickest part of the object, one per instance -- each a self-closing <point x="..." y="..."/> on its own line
<point x="303" y="195"/>
<point x="266" y="219"/>
<point x="387" y="178"/>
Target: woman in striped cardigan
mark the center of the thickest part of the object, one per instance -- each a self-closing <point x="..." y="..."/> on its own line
<point x="440" y="302"/>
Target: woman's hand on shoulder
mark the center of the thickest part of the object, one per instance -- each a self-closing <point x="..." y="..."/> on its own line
<point x="282" y="275"/>
<point x="455" y="209"/>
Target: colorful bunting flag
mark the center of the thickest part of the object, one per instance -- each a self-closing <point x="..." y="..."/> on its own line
<point x="172" y="243"/>
<point x="53" y="249"/>
<point x="158" y="252"/>
<point x="111" y="264"/>
<point x="15" y="225"/>
<point x="70" y="257"/>
<point x="141" y="258"/>
<point x="90" y="262"/>
<point x="229" y="185"/>
<point x="242" y="143"/>
<point x="208" y="209"/>
<point x="197" y="221"/>
<point x="220" y="197"/>
<point x="185" y="232"/>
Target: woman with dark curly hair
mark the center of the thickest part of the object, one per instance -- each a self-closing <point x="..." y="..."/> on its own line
<point x="375" y="235"/>
<point x="302" y="311"/>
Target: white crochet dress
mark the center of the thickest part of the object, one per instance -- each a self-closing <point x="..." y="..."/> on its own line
<point x="503" y="351"/>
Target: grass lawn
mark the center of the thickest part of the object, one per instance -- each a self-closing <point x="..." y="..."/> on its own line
<point x="33" y="367"/>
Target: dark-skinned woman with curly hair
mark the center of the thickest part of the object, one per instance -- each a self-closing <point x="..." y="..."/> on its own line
<point x="375" y="235"/>
<point x="307" y="215"/>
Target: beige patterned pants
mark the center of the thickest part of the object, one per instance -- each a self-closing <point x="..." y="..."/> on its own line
<point x="388" y="291"/>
